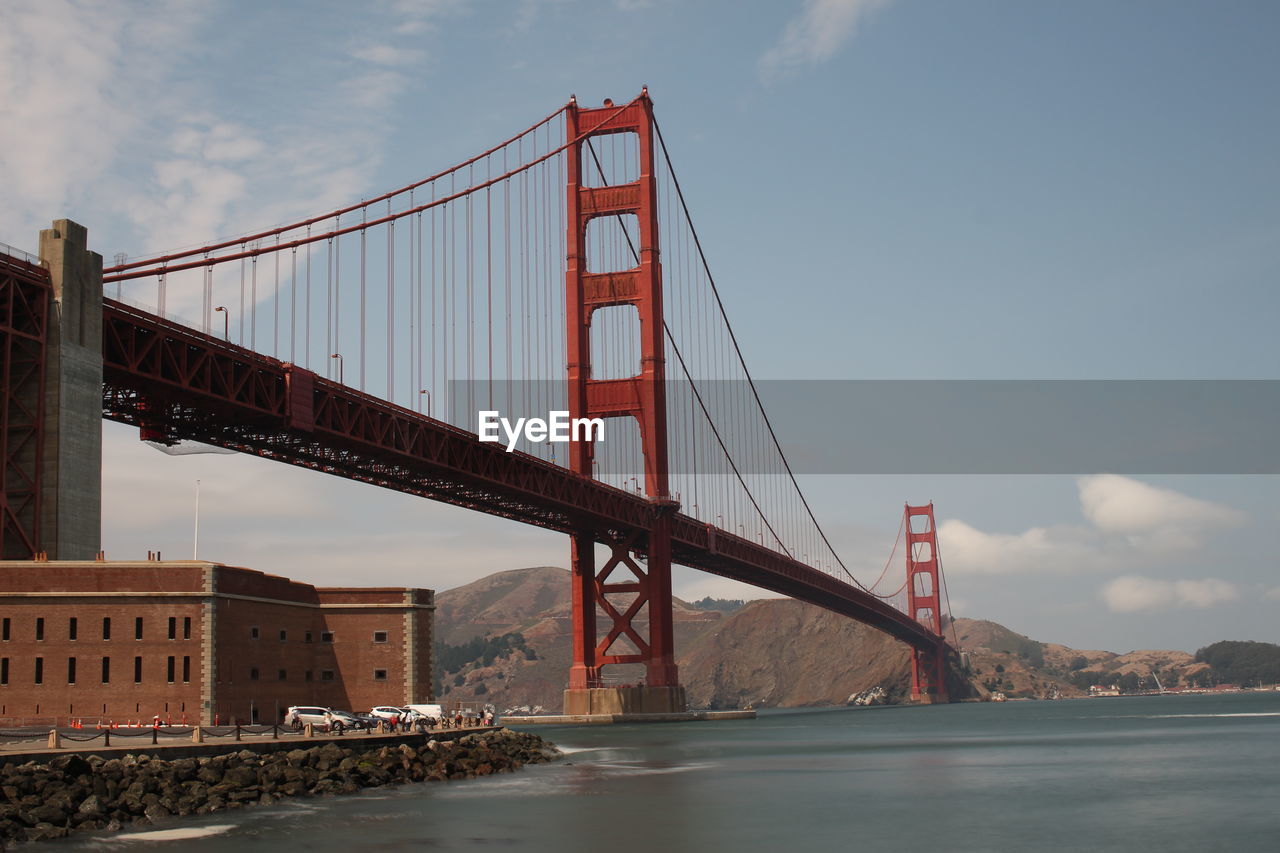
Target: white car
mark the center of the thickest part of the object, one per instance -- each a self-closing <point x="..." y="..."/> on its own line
<point x="299" y="715"/>
<point x="386" y="712"/>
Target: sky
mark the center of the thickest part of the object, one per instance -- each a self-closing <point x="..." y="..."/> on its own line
<point x="980" y="190"/>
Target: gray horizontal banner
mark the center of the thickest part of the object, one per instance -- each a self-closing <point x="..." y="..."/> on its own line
<point x="936" y="426"/>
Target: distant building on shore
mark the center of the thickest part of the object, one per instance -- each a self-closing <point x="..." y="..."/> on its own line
<point x="198" y="642"/>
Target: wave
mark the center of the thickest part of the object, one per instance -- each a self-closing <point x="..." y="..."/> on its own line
<point x="184" y="834"/>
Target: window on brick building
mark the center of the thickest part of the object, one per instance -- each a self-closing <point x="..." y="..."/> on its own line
<point x="379" y="675"/>
<point x="71" y="628"/>
<point x="186" y="627"/>
<point x="39" y="670"/>
<point x="306" y="676"/>
<point x="282" y="675"/>
<point x="326" y="675"/>
<point x="379" y="636"/>
<point x="170" y="667"/>
<point x="106" y="627"/>
<point x="137" y="670"/>
<point x="39" y="627"/>
<point x="106" y="672"/>
<point x="306" y="638"/>
<point x="5" y="628"/>
<point x="326" y="636"/>
<point x="253" y="674"/>
<point x="284" y="635"/>
<point x="137" y="628"/>
<point x="71" y="670"/>
<point x="186" y="669"/>
<point x="173" y="627"/>
<point x="253" y="632"/>
<point x="4" y="670"/>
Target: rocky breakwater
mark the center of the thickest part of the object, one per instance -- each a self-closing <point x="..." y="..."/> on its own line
<point x="71" y="793"/>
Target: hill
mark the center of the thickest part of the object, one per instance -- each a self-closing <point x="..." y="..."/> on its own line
<point x="506" y="639"/>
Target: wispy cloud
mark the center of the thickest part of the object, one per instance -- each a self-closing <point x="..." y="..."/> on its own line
<point x="1134" y="594"/>
<point x="78" y="81"/>
<point x="1130" y="522"/>
<point x="816" y="35"/>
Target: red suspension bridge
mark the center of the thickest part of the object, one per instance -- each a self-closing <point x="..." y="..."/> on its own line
<point x="557" y="271"/>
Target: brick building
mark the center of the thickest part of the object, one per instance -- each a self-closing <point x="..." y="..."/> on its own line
<point x="198" y="642"/>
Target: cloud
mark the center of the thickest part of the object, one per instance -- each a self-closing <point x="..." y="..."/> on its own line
<point x="1039" y="549"/>
<point x="1161" y="517"/>
<point x="74" y="93"/>
<point x="1130" y="522"/>
<point x="1134" y="594"/>
<point x="816" y="35"/>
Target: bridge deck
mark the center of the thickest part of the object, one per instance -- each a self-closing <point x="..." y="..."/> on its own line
<point x="173" y="381"/>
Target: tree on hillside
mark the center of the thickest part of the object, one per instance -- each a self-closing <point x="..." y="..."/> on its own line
<point x="1242" y="662"/>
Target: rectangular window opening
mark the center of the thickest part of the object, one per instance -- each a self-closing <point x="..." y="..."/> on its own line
<point x="72" y="628"/>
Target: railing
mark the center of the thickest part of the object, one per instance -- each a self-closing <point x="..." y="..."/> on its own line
<point x="8" y="252"/>
<point x="68" y="738"/>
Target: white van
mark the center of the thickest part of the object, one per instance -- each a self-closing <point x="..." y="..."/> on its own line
<point x="431" y="712"/>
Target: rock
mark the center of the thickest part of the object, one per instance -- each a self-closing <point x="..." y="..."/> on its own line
<point x="71" y="765"/>
<point x="156" y="813"/>
<point x="92" y="806"/>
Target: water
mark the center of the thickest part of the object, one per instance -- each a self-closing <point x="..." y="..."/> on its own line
<point x="1167" y="773"/>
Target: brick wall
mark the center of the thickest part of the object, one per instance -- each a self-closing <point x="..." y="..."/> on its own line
<point x="265" y="642"/>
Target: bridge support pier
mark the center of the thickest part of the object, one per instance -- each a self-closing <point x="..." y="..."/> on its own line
<point x="71" y="459"/>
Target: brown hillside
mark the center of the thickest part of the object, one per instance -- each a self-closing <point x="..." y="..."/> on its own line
<point x="779" y="652"/>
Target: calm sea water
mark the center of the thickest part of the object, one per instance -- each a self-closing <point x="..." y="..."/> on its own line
<point x="1166" y="773"/>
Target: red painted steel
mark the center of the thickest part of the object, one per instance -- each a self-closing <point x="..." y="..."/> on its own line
<point x="647" y="592"/>
<point x="196" y="386"/>
<point x="924" y="605"/>
<point x="25" y="296"/>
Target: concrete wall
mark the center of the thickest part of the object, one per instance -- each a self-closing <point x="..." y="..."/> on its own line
<point x="71" y="511"/>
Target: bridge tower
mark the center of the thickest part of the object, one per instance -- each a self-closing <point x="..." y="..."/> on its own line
<point x="924" y="604"/>
<point x="637" y="575"/>
<point x="51" y="406"/>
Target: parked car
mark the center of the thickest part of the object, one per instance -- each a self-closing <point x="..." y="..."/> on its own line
<point x="368" y="721"/>
<point x="386" y="712"/>
<point x="299" y="715"/>
<point x="347" y="719"/>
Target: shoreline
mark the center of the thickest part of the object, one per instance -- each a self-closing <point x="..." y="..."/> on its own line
<point x="67" y="792"/>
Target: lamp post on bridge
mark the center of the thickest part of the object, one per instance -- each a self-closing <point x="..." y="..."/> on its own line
<point x="226" y="322"/>
<point x="427" y="394"/>
<point x="338" y="356"/>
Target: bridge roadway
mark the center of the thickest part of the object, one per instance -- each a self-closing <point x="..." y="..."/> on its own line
<point x="174" y="382"/>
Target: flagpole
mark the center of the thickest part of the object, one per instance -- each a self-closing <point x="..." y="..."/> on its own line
<point x="195" y="545"/>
